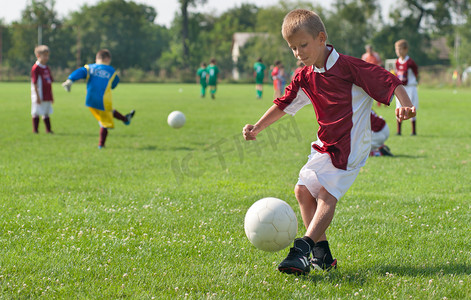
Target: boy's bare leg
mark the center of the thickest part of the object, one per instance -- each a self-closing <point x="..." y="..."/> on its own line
<point x="321" y="256"/>
<point x="308" y="207"/>
<point x="326" y="204"/>
<point x="317" y="215"/>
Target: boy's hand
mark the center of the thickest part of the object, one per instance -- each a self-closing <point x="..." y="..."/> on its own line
<point x="67" y="85"/>
<point x="404" y="113"/>
<point x="249" y="133"/>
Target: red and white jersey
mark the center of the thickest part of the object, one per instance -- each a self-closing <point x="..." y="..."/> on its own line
<point x="341" y="93"/>
<point x="41" y="75"/>
<point x="407" y="71"/>
<point x="377" y="122"/>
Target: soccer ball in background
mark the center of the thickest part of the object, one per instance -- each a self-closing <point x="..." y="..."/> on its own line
<point x="176" y="119"/>
<point x="270" y="224"/>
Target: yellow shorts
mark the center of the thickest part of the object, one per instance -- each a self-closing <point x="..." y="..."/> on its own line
<point x="105" y="118"/>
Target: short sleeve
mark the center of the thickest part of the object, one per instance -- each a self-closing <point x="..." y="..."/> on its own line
<point x="378" y="83"/>
<point x="295" y="98"/>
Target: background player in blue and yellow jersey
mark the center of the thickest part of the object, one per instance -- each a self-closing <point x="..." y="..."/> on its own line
<point x="213" y="72"/>
<point x="202" y="78"/>
<point x="101" y="78"/>
<point x="259" y="73"/>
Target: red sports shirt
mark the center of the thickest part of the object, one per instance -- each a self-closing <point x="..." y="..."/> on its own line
<point x="407" y="71"/>
<point x="341" y="93"/>
<point x="41" y="75"/>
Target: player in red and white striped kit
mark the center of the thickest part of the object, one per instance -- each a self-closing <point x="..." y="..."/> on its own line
<point x="408" y="72"/>
<point x="341" y="89"/>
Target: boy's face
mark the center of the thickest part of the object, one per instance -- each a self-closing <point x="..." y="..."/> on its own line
<point x="400" y="51"/>
<point x="43" y="58"/>
<point x="307" y="48"/>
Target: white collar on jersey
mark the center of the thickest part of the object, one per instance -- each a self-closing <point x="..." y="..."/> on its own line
<point x="41" y="65"/>
<point x="403" y="60"/>
<point x="331" y="59"/>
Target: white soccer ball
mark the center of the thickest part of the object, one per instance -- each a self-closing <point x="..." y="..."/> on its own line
<point x="270" y="224"/>
<point x="176" y="119"/>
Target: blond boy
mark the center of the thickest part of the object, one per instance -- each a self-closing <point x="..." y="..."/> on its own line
<point x="341" y="89"/>
<point x="408" y="72"/>
<point x="41" y="89"/>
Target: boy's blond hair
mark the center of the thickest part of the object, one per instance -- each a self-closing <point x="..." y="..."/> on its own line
<point x="402" y="43"/>
<point x="302" y="19"/>
<point x="40" y="50"/>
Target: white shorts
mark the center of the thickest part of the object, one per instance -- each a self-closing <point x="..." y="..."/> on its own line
<point x="319" y="172"/>
<point x="378" y="138"/>
<point x="43" y="109"/>
<point x="413" y="95"/>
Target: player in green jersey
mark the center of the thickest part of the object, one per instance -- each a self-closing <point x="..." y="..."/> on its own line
<point x="213" y="72"/>
<point x="202" y="78"/>
<point x="259" y="74"/>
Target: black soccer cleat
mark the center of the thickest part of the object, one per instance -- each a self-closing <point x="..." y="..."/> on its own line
<point x="297" y="261"/>
<point x="129" y="117"/>
<point x="321" y="265"/>
<point x="385" y="151"/>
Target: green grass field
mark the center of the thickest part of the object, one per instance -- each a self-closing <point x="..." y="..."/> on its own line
<point x="160" y="212"/>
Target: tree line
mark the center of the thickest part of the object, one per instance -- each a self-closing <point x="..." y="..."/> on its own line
<point x="140" y="47"/>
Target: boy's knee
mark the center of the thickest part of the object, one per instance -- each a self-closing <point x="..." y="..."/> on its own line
<point x="300" y="189"/>
<point x="303" y="194"/>
<point x="327" y="197"/>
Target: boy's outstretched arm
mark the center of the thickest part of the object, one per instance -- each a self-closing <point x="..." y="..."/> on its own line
<point x="272" y="115"/>
<point x="407" y="110"/>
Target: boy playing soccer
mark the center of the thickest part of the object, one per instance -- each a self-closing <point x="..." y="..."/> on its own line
<point x="259" y="74"/>
<point x="213" y="72"/>
<point x="41" y="89"/>
<point x="202" y="78"/>
<point x="101" y="78"/>
<point x="408" y="72"/>
<point x="341" y="89"/>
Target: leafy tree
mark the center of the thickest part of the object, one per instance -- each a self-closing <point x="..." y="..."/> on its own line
<point x="461" y="41"/>
<point x="125" y="28"/>
<point x="5" y="42"/>
<point x="208" y="36"/>
<point x="431" y="16"/>
<point x="273" y="47"/>
<point x="419" y="21"/>
<point x="351" y="24"/>
<point x="237" y="19"/>
<point x="184" y="4"/>
<point x="38" y="24"/>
